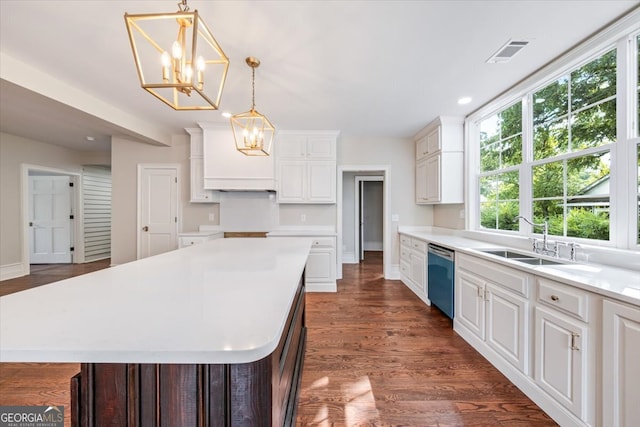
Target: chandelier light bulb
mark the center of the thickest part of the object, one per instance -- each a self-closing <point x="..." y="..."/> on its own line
<point x="176" y="50"/>
<point x="188" y="72"/>
<point x="166" y="63"/>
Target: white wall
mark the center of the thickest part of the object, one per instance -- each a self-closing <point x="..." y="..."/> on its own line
<point x="126" y="155"/>
<point x="449" y="216"/>
<point x="399" y="155"/>
<point x="15" y="151"/>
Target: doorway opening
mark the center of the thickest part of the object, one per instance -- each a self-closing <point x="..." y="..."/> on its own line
<point x="368" y="208"/>
<point x="362" y="213"/>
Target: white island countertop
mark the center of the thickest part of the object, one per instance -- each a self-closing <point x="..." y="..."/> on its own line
<point x="223" y="301"/>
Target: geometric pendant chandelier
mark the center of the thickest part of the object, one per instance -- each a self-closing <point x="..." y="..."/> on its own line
<point x="252" y="131"/>
<point x="177" y="58"/>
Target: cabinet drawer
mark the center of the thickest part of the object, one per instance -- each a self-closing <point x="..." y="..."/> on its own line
<point x="190" y="241"/>
<point x="563" y="297"/>
<point x="404" y="253"/>
<point x="419" y="245"/>
<point x="405" y="268"/>
<point x="509" y="278"/>
<point x="405" y="240"/>
<point x="322" y="242"/>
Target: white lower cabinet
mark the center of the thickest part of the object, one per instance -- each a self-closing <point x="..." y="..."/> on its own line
<point x="543" y="335"/>
<point x="470" y="302"/>
<point x="413" y="265"/>
<point x="321" y="264"/>
<point x="321" y="267"/>
<point x="494" y="315"/>
<point x="621" y="365"/>
<point x="194" y="238"/>
<point x="507" y="327"/>
<point x="561" y="359"/>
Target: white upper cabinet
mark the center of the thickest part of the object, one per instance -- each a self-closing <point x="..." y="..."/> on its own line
<point x="440" y="162"/>
<point x="198" y="194"/>
<point x="306" y="166"/>
<point x="225" y="168"/>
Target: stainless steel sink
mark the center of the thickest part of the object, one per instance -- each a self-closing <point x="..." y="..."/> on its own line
<point x="505" y="253"/>
<point x="538" y="261"/>
<point x="524" y="258"/>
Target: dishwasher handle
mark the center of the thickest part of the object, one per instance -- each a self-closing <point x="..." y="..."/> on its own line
<point x="440" y="251"/>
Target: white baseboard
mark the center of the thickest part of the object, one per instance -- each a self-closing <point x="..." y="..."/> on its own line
<point x="321" y="287"/>
<point x="11" y="271"/>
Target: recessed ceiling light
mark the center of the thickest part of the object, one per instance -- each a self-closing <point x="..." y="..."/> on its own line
<point x="90" y="138"/>
<point x="464" y="100"/>
<point x="226" y="114"/>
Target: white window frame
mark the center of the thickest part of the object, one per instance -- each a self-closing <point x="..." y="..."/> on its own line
<point x="623" y="225"/>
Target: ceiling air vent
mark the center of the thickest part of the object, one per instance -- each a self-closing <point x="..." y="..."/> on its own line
<point x="506" y="52"/>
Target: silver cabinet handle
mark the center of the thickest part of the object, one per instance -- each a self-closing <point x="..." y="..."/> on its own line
<point x="573" y="341"/>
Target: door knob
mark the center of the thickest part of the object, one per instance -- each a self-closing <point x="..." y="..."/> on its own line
<point x="145" y="228"/>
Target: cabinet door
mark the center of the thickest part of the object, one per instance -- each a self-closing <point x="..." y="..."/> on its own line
<point x="291" y="146"/>
<point x="292" y="177"/>
<point x="421" y="182"/>
<point x="198" y="193"/>
<point x="560" y="359"/>
<point x="433" y="178"/>
<point x="507" y="328"/>
<point x="321" y="148"/>
<point x="621" y="368"/>
<point x="320" y="264"/>
<point x="322" y="182"/>
<point x="470" y="302"/>
<point x="418" y="270"/>
<point x="421" y="148"/>
<point x="434" y="140"/>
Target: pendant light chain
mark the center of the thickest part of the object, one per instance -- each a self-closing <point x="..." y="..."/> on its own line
<point x="253" y="88"/>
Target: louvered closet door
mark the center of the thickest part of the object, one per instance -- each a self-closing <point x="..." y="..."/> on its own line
<point x="96" y="196"/>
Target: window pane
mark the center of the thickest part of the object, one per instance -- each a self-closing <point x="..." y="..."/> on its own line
<point x="511" y="121"/>
<point x="488" y="215"/>
<point x="499" y="201"/>
<point x="594" y="81"/>
<point x="594" y="126"/>
<point x="487" y="189"/>
<point x="489" y="130"/>
<point x="551" y="139"/>
<point x="507" y="186"/>
<point x="548" y="180"/>
<point x="551" y="102"/>
<point x="588" y="176"/>
<point x="511" y="151"/>
<point x="588" y="222"/>
<point x="501" y="139"/>
<point x="551" y="211"/>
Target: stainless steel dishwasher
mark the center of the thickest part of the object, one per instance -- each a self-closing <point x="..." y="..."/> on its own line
<point x="440" y="263"/>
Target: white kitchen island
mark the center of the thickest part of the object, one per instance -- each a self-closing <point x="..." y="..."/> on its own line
<point x="210" y="335"/>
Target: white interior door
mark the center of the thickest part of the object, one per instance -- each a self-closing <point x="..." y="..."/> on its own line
<point x="49" y="220"/>
<point x="361" y="220"/>
<point x="158" y="210"/>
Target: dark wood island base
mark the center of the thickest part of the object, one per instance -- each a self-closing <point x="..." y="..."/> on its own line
<point x="260" y="393"/>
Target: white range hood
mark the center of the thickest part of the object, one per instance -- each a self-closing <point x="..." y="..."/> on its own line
<point x="227" y="169"/>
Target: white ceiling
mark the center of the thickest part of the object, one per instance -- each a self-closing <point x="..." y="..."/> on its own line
<point x="375" y="68"/>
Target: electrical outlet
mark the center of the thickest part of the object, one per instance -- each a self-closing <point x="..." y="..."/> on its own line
<point x="395" y="218"/>
<point x="212" y="217"/>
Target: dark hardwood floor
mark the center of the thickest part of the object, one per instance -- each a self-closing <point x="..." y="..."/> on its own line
<point x="376" y="356"/>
